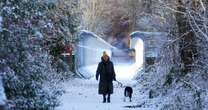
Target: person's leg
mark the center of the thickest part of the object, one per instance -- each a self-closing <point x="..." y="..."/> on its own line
<point x="104" y="98"/>
<point x="108" y="98"/>
<point x="108" y="93"/>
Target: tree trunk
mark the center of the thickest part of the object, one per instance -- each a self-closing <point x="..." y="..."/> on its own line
<point x="187" y="44"/>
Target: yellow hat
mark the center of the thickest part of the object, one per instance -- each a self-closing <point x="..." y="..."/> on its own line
<point x="105" y="53"/>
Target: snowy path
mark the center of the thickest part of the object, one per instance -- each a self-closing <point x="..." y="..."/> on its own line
<point x="82" y="95"/>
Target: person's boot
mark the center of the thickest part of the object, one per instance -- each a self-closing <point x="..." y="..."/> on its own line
<point x="104" y="99"/>
<point x="108" y="99"/>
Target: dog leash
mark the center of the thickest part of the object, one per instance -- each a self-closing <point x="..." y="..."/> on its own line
<point x="119" y="83"/>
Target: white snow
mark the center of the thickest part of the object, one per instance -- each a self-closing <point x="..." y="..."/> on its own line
<point x="2" y="94"/>
<point x="83" y="95"/>
<point x="1" y="20"/>
<point x="95" y="36"/>
<point x="38" y="34"/>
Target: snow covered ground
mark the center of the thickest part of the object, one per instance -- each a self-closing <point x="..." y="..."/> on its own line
<point x="83" y="95"/>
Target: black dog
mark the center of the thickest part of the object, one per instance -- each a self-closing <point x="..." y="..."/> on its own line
<point x="128" y="91"/>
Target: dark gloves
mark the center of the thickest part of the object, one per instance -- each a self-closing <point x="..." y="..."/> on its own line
<point x="97" y="78"/>
<point x="114" y="79"/>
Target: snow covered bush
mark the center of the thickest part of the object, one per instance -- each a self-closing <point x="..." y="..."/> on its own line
<point x="29" y="31"/>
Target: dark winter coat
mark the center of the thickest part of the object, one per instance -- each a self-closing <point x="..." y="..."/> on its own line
<point x="105" y="71"/>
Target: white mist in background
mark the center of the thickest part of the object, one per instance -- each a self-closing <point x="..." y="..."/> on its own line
<point x="139" y="51"/>
<point x="90" y="52"/>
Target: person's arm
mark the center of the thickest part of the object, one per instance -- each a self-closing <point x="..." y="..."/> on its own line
<point x="114" y="74"/>
<point x="98" y="71"/>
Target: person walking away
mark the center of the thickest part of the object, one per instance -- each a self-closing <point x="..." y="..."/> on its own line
<point x="105" y="71"/>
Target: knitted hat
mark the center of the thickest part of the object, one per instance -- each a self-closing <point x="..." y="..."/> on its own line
<point x="105" y="56"/>
<point x="105" y="53"/>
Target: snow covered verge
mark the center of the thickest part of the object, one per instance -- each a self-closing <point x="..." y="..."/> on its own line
<point x="175" y="93"/>
<point x="169" y="88"/>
